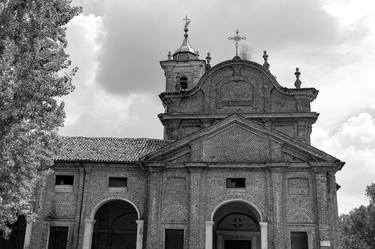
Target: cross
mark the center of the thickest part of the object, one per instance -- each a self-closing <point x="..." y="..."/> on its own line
<point x="237" y="38"/>
<point x="237" y="223"/>
<point x="187" y="21"/>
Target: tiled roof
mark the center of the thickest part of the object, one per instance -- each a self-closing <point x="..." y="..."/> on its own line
<point x="106" y="149"/>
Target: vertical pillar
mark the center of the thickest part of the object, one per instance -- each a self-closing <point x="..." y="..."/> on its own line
<point x="209" y="232"/>
<point x="153" y="240"/>
<point x="263" y="235"/>
<point x="26" y="243"/>
<point x="139" y="234"/>
<point x="278" y="235"/>
<point x="87" y="235"/>
<point x="322" y="209"/>
<point x="195" y="240"/>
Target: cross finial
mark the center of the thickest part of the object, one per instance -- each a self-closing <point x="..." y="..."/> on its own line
<point x="236" y="39"/>
<point x="187" y="22"/>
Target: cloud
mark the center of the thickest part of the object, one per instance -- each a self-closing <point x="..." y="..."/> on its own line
<point x="354" y="143"/>
<point x="140" y="33"/>
<point x="92" y="111"/>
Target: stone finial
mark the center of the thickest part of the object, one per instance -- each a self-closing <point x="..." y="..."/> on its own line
<point x="265" y="57"/>
<point x="169" y="55"/>
<point x="208" y="59"/>
<point x="197" y="53"/>
<point x="298" y="82"/>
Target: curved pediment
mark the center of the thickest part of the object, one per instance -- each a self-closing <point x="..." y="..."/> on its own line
<point x="236" y="67"/>
<point x="239" y="86"/>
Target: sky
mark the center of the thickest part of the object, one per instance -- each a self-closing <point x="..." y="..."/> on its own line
<point x="117" y="46"/>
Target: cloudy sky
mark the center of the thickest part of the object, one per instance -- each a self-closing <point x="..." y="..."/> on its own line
<point x="117" y="46"/>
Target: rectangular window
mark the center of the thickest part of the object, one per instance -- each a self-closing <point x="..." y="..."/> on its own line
<point x="174" y="239"/>
<point x="298" y="240"/>
<point x="58" y="237"/>
<point x="236" y="182"/>
<point x="64" y="180"/>
<point x="118" y="182"/>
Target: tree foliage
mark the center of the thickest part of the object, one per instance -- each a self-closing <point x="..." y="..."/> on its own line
<point x="358" y="227"/>
<point x="34" y="70"/>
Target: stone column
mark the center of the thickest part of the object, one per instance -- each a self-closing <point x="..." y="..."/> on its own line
<point x="87" y="235"/>
<point x="26" y="243"/>
<point x="263" y="235"/>
<point x="139" y="234"/>
<point x="209" y="232"/>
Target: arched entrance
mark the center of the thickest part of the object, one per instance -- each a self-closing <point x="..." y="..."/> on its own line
<point x="17" y="237"/>
<point x="236" y="226"/>
<point x="115" y="226"/>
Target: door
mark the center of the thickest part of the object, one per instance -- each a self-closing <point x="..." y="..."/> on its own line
<point x="58" y="237"/>
<point x="237" y="244"/>
<point x="299" y="240"/>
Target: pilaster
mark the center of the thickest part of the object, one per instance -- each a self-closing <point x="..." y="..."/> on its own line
<point x="195" y="234"/>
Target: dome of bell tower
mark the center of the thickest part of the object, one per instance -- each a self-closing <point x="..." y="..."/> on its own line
<point x="185" y="51"/>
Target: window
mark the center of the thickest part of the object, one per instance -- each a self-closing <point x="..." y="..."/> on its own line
<point x="58" y="237"/>
<point x="236" y="182"/>
<point x="184" y="83"/>
<point x="64" y="180"/>
<point x="118" y="182"/>
<point x="174" y="239"/>
<point x="298" y="240"/>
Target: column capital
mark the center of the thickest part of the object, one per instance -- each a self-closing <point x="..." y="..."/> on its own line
<point x="139" y="222"/>
<point x="89" y="221"/>
<point x="263" y="224"/>
<point x="210" y="222"/>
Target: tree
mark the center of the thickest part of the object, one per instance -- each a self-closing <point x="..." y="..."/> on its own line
<point x="358" y="227"/>
<point x="34" y="71"/>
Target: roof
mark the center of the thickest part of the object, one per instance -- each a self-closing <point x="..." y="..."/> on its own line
<point x="107" y="149"/>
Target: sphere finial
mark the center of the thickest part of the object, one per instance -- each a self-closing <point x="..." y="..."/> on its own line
<point x="208" y="59"/>
<point x="265" y="57"/>
<point x="298" y="82"/>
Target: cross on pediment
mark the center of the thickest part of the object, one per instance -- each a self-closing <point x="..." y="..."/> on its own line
<point x="236" y="39"/>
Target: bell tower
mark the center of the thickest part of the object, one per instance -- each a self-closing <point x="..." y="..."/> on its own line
<point x="183" y="69"/>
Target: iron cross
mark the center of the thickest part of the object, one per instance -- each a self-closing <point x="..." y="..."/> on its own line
<point x="187" y="21"/>
<point x="237" y="38"/>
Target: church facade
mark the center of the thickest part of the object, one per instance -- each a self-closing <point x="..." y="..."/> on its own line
<point x="235" y="170"/>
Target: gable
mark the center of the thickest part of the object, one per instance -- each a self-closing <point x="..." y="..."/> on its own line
<point x="235" y="144"/>
<point x="236" y="139"/>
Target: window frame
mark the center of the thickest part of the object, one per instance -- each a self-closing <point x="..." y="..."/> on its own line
<point x="228" y="179"/>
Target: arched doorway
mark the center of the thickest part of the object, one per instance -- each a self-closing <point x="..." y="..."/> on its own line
<point x="236" y="226"/>
<point x="115" y="226"/>
<point x="17" y="237"/>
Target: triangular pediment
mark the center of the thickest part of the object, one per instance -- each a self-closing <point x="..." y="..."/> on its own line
<point x="238" y="140"/>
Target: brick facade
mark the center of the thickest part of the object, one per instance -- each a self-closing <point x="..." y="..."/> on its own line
<point x="233" y="121"/>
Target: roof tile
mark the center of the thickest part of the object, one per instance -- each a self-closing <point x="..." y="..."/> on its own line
<point x="107" y="149"/>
